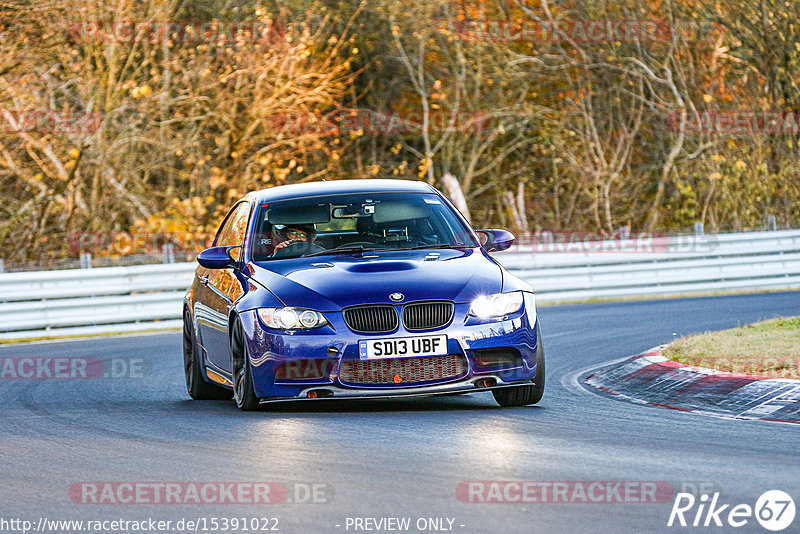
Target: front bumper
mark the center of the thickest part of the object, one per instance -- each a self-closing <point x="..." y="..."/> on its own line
<point x="467" y="336"/>
<point x="462" y="386"/>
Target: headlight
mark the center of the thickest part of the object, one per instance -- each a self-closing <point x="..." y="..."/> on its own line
<point x="496" y="305"/>
<point x="291" y="318"/>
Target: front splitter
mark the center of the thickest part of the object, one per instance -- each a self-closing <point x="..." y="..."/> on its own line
<point x="464" y="386"/>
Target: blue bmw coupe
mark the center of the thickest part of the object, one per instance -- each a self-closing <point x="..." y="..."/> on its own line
<point x="357" y="289"/>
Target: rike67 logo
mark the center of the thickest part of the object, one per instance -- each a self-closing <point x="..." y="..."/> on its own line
<point x="774" y="510"/>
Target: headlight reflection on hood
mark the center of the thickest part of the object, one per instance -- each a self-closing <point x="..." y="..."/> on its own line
<point x="496" y="305"/>
<point x="291" y="318"/>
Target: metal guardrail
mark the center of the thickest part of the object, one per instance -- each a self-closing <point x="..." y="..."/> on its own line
<point x="148" y="297"/>
<point x="667" y="266"/>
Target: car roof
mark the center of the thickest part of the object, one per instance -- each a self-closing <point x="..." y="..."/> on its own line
<point x="338" y="187"/>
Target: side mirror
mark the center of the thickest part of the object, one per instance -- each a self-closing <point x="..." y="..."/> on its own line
<point x="496" y="240"/>
<point x="217" y="258"/>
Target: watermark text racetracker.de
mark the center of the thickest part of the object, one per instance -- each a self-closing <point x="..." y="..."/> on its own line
<point x="779" y="366"/>
<point x="616" y="242"/>
<point x="204" y="493"/>
<point x="49" y="121"/>
<point x="188" y="32"/>
<point x="735" y="123"/>
<point x="124" y="243"/>
<point x="564" y="492"/>
<point x="585" y="32"/>
<point x="71" y="368"/>
<point x="360" y="121"/>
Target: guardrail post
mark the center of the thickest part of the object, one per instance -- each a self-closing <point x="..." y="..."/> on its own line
<point x="86" y="260"/>
<point x="772" y="223"/>
<point x="169" y="253"/>
<point x="624" y="232"/>
<point x="544" y="241"/>
<point x="2" y="266"/>
<point x="699" y="228"/>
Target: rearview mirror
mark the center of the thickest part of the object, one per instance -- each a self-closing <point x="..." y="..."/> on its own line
<point x="496" y="240"/>
<point x="352" y="212"/>
<point x="218" y="257"/>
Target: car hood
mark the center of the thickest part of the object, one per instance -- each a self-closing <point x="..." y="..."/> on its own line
<point x="329" y="283"/>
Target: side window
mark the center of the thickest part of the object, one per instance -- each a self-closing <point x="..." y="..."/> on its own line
<point x="234" y="228"/>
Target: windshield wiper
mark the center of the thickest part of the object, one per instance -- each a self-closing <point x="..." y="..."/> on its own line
<point x="362" y="248"/>
<point x="422" y="247"/>
<point x="343" y="250"/>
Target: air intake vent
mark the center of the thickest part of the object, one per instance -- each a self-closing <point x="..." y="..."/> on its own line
<point x="427" y="315"/>
<point x="371" y="319"/>
<point x="403" y="371"/>
<point x="499" y="357"/>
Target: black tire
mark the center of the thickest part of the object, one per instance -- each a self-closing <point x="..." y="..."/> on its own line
<point x="528" y="394"/>
<point x="243" y="391"/>
<point x="197" y="387"/>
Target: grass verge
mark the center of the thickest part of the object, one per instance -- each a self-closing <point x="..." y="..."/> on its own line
<point x="769" y="348"/>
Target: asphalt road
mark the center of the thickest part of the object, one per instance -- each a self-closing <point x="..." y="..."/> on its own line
<point x="388" y="458"/>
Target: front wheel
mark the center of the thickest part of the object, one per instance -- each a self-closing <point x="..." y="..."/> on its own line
<point x="197" y="387"/>
<point x="243" y="391"/>
<point x="525" y="395"/>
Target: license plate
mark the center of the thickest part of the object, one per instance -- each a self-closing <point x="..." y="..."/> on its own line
<point x="402" y="347"/>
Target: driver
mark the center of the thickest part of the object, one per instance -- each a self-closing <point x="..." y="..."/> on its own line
<point x="295" y="234"/>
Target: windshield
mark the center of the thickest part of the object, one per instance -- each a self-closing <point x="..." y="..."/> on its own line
<point x="366" y="221"/>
